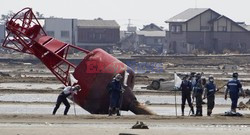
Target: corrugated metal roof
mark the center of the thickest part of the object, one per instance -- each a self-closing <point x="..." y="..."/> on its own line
<point x="98" y="24"/>
<point x="151" y="33"/>
<point x="187" y="15"/>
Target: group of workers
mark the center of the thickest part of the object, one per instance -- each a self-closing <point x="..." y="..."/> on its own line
<point x="195" y="86"/>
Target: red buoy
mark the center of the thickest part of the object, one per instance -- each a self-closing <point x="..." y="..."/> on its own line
<point x="95" y="71"/>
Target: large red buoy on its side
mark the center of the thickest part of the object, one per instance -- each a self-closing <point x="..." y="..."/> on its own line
<point x="95" y="71"/>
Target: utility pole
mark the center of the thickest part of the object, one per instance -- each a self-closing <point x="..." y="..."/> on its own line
<point x="129" y="23"/>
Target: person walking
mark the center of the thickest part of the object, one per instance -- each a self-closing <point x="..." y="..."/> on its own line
<point x="62" y="98"/>
<point x="210" y="90"/>
<point x="234" y="87"/>
<point x="186" y="89"/>
<point x="115" y="90"/>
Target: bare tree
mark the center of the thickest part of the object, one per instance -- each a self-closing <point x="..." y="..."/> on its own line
<point x="7" y="16"/>
<point x="39" y="15"/>
<point x="10" y="14"/>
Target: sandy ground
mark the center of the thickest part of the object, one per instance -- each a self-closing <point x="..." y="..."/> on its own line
<point x="105" y="125"/>
<point x="34" y="117"/>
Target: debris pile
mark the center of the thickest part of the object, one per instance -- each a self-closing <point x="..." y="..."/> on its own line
<point x="243" y="106"/>
<point x="4" y="74"/>
<point x="140" y="125"/>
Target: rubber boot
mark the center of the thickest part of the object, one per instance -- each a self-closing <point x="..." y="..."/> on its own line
<point x="66" y="110"/>
<point x="110" y="111"/>
<point x="182" y="110"/>
<point x="118" y="112"/>
<point x="192" y="110"/>
<point x="201" y="112"/>
<point x="55" y="109"/>
<point x="54" y="112"/>
<point x="233" y="111"/>
<point x="197" y="112"/>
<point x="209" y="112"/>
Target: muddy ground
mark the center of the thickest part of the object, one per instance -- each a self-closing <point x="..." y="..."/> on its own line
<point x="18" y="115"/>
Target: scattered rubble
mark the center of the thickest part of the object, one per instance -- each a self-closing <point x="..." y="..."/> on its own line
<point x="140" y="125"/>
<point x="243" y="106"/>
<point x="247" y="92"/>
<point x="4" y="74"/>
<point x="228" y="67"/>
<point x="248" y="102"/>
<point x="232" y="114"/>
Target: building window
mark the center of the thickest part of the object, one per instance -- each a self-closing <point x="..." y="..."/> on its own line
<point x="159" y="40"/>
<point x="184" y="45"/>
<point x="51" y="33"/>
<point x="204" y="28"/>
<point x="100" y="36"/>
<point x="242" y="46"/>
<point x="178" y="29"/>
<point x="222" y="28"/>
<point x="64" y="34"/>
<point x="96" y="36"/>
<point x="172" y="28"/>
<point x="93" y="36"/>
<point x="155" y="40"/>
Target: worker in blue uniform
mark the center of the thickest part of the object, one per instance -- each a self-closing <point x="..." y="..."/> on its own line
<point x="186" y="89"/>
<point x="234" y="87"/>
<point x="198" y="89"/>
<point x="115" y="90"/>
<point x="210" y="90"/>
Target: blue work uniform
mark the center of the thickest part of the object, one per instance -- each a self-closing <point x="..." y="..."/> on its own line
<point x="210" y="91"/>
<point x="234" y="87"/>
<point x="198" y="92"/>
<point x="186" y="89"/>
<point x="115" y="94"/>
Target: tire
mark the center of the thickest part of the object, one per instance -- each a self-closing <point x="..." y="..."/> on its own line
<point x="155" y="85"/>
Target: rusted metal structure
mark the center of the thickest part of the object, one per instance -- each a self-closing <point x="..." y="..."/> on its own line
<point x="94" y="72"/>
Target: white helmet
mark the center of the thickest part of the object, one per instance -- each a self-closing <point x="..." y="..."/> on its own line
<point x="211" y="78"/>
<point x="118" y="77"/>
<point x="76" y="88"/>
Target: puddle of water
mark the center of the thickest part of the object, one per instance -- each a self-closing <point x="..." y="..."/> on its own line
<point x="37" y="109"/>
<point x="158" y="99"/>
<point x="47" y="109"/>
<point x="39" y="75"/>
<point x="153" y="99"/>
<point x="29" y="97"/>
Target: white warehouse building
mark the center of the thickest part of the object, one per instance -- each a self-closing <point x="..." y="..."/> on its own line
<point x="61" y="29"/>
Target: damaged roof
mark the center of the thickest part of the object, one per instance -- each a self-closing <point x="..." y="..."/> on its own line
<point x="98" y="23"/>
<point x="187" y="15"/>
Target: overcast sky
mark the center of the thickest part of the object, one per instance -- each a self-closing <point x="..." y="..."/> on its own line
<point x="141" y="12"/>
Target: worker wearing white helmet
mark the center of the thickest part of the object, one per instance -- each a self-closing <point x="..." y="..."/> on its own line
<point x="62" y="98"/>
<point x="210" y="89"/>
<point x="115" y="89"/>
